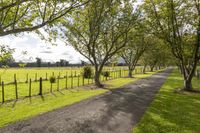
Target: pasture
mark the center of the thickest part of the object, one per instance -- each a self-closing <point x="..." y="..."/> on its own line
<point x="29" y="107"/>
<point x="66" y="78"/>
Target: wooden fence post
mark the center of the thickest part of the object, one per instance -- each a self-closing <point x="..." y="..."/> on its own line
<point x="51" y="87"/>
<point x="36" y="77"/>
<point x="83" y="81"/>
<point x="15" y="77"/>
<point x="78" y="80"/>
<point x="40" y="89"/>
<point x="58" y="84"/>
<point x="16" y="91"/>
<point x="27" y="78"/>
<point x="46" y="76"/>
<point x="72" y="81"/>
<point x="66" y="81"/>
<point x="3" y="96"/>
<point x="30" y="87"/>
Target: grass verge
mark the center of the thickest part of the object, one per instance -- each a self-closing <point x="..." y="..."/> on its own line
<point x="172" y="112"/>
<point x="30" y="107"/>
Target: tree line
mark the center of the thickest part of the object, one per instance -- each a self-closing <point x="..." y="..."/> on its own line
<point x="152" y="33"/>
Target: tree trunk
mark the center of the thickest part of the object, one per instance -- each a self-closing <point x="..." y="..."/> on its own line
<point x="130" y="71"/>
<point x="181" y="69"/>
<point x="144" y="69"/>
<point x="188" y="85"/>
<point x="151" y="68"/>
<point x="188" y="74"/>
<point x="97" y="77"/>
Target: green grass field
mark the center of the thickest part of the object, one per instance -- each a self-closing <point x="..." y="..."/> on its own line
<point x="172" y="112"/>
<point x="7" y="75"/>
<point x="63" y="83"/>
<point x="29" y="107"/>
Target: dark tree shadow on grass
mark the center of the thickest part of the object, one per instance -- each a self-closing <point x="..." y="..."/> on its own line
<point x="42" y="97"/>
<point x="53" y="94"/>
<point x="14" y="103"/>
<point x="123" y="103"/>
<point x="61" y="92"/>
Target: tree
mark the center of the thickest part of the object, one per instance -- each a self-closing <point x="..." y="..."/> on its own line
<point x="48" y="64"/>
<point x="134" y="50"/>
<point x="157" y="54"/>
<point x="5" y="53"/>
<point x="7" y="61"/>
<point x="99" y="31"/>
<point x="38" y="61"/>
<point x="28" y="15"/>
<point x="177" y="22"/>
<point x="62" y="62"/>
<point x="83" y="63"/>
<point x="66" y="63"/>
<point x="22" y="65"/>
<point x="57" y="63"/>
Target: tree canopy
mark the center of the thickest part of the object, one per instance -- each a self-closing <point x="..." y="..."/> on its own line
<point x="177" y="22"/>
<point x="100" y="30"/>
<point x="18" y="16"/>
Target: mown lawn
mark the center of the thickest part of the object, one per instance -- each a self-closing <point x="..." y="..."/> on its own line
<point x="29" y="107"/>
<point x="172" y="112"/>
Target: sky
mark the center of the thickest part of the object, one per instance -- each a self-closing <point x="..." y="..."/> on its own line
<point x="36" y="47"/>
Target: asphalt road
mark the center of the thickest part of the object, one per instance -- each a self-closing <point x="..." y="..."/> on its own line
<point x="114" y="112"/>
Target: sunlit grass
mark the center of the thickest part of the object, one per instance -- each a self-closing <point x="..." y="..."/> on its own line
<point x="69" y="83"/>
<point x="30" y="107"/>
<point x="172" y="112"/>
<point x="122" y="81"/>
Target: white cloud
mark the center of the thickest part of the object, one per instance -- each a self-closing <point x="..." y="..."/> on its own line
<point x="36" y="47"/>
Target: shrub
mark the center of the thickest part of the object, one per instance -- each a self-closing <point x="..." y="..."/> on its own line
<point x="52" y="79"/>
<point x="105" y="74"/>
<point x="22" y="65"/>
<point x="87" y="72"/>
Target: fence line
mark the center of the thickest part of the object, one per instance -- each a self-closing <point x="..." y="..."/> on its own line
<point x="74" y="78"/>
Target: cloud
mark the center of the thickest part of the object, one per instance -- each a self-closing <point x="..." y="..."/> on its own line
<point x="36" y="47"/>
<point x="65" y="53"/>
<point x="46" y="52"/>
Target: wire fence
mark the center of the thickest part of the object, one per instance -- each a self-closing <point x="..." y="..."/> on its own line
<point x="42" y="85"/>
